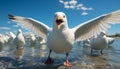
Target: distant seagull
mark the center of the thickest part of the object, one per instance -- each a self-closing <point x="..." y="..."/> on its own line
<point x="5" y="38"/>
<point x="99" y="43"/>
<point x="32" y="39"/>
<point x="11" y="37"/>
<point x="110" y="40"/>
<point x="19" y="40"/>
<point x="60" y="38"/>
<point x="86" y="42"/>
<point x="2" y="42"/>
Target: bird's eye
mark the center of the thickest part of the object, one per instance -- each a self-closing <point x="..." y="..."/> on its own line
<point x="63" y="16"/>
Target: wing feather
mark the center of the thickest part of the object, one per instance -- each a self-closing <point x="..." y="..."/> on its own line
<point x="96" y="25"/>
<point x="31" y="24"/>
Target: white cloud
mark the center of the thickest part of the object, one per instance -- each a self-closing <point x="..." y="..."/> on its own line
<point x="66" y="6"/>
<point x="61" y="1"/>
<point x="8" y="22"/>
<point x="84" y="13"/>
<point x="66" y="3"/>
<point x="73" y="4"/>
<point x="84" y="8"/>
<point x="4" y="28"/>
<point x="90" y="8"/>
<point x="79" y="6"/>
<point x="72" y="7"/>
<point x="15" y="25"/>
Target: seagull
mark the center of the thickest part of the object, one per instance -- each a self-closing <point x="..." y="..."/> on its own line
<point x="19" y="40"/>
<point x="5" y="38"/>
<point x="61" y="38"/>
<point x="99" y="42"/>
<point x="2" y="42"/>
<point x="86" y="42"/>
<point x="32" y="39"/>
<point x="11" y="37"/>
<point x="110" y="40"/>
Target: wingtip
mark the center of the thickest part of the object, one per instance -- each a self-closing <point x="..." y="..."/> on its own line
<point x="11" y="16"/>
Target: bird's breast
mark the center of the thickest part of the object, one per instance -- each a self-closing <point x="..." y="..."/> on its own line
<point x="61" y="41"/>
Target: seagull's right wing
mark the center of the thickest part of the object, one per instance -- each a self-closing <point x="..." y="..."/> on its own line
<point x="95" y="26"/>
<point x="31" y="24"/>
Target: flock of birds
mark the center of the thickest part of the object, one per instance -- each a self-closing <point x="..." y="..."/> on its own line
<point x="60" y="38"/>
<point x="19" y="40"/>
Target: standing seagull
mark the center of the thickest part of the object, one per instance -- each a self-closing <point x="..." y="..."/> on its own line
<point x="19" y="40"/>
<point x="60" y="38"/>
<point x="99" y="43"/>
<point x="2" y="42"/>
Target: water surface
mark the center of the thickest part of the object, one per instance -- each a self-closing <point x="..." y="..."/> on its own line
<point x="34" y="56"/>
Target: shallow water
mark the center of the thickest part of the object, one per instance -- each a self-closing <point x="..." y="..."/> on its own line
<point x="34" y="56"/>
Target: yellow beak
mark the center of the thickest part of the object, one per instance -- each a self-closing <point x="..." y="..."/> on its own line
<point x="59" y="25"/>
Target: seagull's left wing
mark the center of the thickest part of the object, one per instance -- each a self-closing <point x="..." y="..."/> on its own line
<point x="95" y="26"/>
<point x="31" y="24"/>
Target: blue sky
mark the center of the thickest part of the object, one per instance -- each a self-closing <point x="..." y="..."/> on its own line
<point x="77" y="11"/>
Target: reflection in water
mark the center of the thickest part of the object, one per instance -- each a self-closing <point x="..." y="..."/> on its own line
<point x="32" y="50"/>
<point x="1" y="48"/>
<point x="42" y="50"/>
<point x="34" y="56"/>
<point x="18" y="53"/>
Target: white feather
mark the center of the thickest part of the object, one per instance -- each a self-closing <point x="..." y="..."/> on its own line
<point x="31" y="24"/>
<point x="96" y="25"/>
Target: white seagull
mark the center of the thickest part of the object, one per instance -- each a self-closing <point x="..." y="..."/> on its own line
<point x="99" y="42"/>
<point x="86" y="42"/>
<point x="32" y="39"/>
<point x="110" y="40"/>
<point x="11" y="37"/>
<point x="19" y="40"/>
<point x="2" y="42"/>
<point x="60" y="38"/>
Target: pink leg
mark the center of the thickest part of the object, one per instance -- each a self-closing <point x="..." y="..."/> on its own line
<point x="49" y="59"/>
<point x="67" y="63"/>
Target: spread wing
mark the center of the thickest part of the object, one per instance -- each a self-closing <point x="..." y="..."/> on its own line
<point x="31" y="24"/>
<point x="96" y="25"/>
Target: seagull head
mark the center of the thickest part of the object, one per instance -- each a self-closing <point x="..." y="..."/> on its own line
<point x="19" y="31"/>
<point x="60" y="20"/>
<point x="103" y="33"/>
